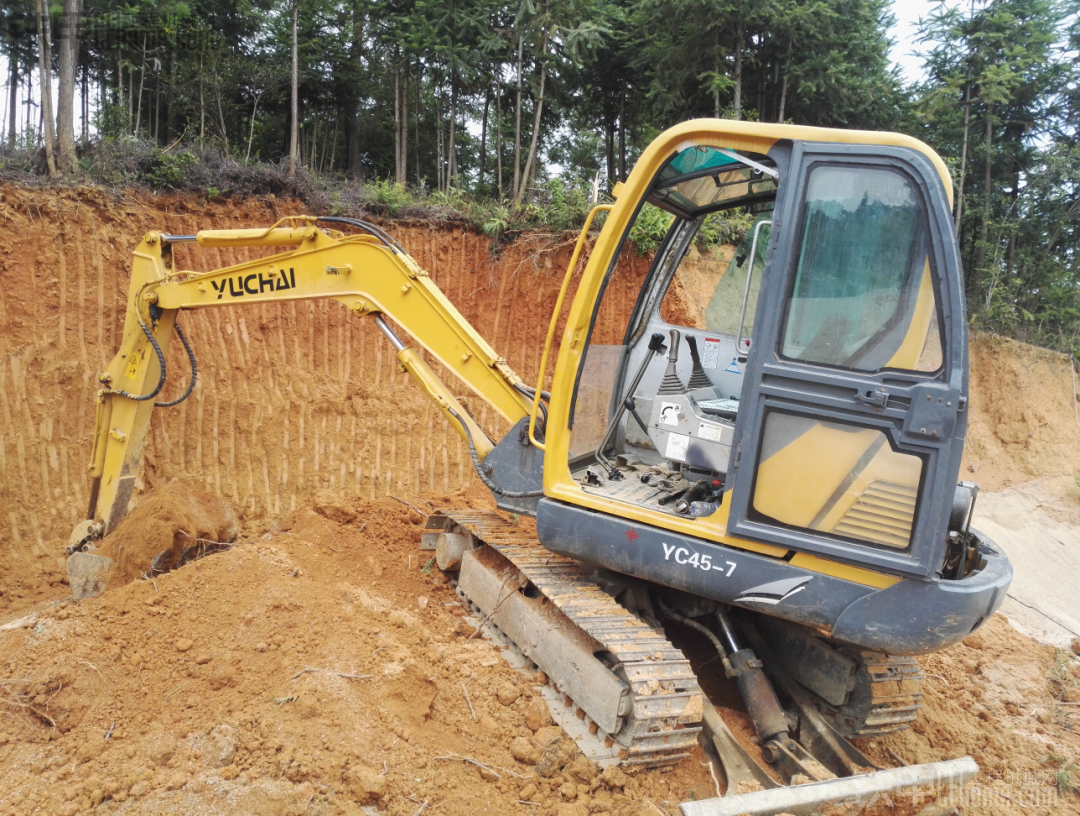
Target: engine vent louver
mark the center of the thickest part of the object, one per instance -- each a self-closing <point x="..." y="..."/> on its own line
<point x="883" y="514"/>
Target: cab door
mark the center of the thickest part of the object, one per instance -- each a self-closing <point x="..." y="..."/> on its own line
<point x="852" y="421"/>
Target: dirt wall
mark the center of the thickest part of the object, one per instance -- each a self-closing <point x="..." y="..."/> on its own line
<point x="292" y="398"/>
<point x="1023" y="423"/>
<point x="298" y="397"/>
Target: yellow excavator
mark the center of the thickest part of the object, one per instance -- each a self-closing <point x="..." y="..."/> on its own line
<point x="765" y="450"/>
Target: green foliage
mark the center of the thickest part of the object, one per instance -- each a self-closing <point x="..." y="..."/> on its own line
<point x="495" y="221"/>
<point x="1064" y="772"/>
<point x="169" y="170"/>
<point x="390" y="197"/>
<point x="649" y="228"/>
<point x="428" y="566"/>
<point x="723" y="228"/>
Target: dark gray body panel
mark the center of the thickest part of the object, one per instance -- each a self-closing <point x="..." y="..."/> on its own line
<point x="518" y="467"/>
<point x="911" y="617"/>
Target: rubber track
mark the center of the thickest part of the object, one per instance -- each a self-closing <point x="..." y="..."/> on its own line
<point x="663" y="685"/>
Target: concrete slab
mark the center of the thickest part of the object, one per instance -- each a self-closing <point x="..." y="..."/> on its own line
<point x="1038" y="526"/>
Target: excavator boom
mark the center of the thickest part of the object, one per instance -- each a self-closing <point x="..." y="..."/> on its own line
<point x="370" y="274"/>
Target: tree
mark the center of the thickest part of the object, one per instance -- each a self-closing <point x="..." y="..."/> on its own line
<point x="65" y="115"/>
<point x="45" y="78"/>
<point x="294" y="95"/>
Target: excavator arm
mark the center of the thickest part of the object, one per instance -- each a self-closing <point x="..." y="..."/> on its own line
<point x="369" y="273"/>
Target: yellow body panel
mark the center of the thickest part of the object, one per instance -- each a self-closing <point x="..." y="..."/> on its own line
<point x="837" y="570"/>
<point x="784" y="489"/>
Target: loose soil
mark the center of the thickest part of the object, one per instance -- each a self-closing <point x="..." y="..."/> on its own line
<point x="319" y="664"/>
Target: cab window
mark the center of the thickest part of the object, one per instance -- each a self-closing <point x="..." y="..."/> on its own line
<point x="862" y="295"/>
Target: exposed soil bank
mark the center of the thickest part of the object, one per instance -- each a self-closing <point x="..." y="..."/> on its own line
<point x="292" y="398"/>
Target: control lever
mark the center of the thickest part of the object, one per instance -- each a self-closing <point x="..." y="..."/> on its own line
<point x="698" y="377"/>
<point x="632" y="408"/>
<point x="656" y="344"/>
<point x="671" y="383"/>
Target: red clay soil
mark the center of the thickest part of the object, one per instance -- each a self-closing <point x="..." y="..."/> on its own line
<point x="320" y="665"/>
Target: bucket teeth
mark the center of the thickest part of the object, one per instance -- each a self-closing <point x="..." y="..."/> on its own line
<point x="659" y="714"/>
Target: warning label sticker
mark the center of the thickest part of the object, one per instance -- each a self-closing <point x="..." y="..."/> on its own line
<point x="713" y="433"/>
<point x="711" y="353"/>
<point x="677" y="445"/>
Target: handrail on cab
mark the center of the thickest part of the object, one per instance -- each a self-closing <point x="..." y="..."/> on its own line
<point x="555" y="318"/>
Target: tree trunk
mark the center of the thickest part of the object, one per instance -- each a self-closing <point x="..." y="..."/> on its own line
<point x="294" y="106"/>
<point x="451" y="177"/>
<point x="169" y="70"/>
<point x="609" y="150"/>
<point x="221" y="119"/>
<point x="517" y="122"/>
<point x="963" y="154"/>
<point x="397" y="124"/>
<point x="783" y="87"/>
<point x="498" y="137"/>
<point x="45" y="70"/>
<point x="202" y="103"/>
<point x="980" y="250"/>
<point x="538" y="111"/>
<point x="13" y="97"/>
<point x="438" y="145"/>
<point x="622" y="136"/>
<point x="416" y="128"/>
<point x="405" y="126"/>
<point x="353" y="165"/>
<point x="737" y="101"/>
<point x="483" y="141"/>
<point x="131" y="93"/>
<point x="142" y="83"/>
<point x="251" y="130"/>
<point x="65" y="115"/>
<point x="85" y="134"/>
<point x="716" y="89"/>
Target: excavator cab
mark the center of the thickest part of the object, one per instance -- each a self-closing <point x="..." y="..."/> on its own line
<point x="797" y="402"/>
<point x="814" y="379"/>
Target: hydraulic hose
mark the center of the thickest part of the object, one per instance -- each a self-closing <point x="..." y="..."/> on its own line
<point x="530" y="393"/>
<point x="494" y="488"/>
<point x="194" y="371"/>
<point x="161" y="380"/>
<point x="366" y="226"/>
<point x="667" y="613"/>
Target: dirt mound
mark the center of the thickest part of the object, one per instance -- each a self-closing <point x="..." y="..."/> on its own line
<point x="322" y="665"/>
<point x="1023" y="414"/>
<point x="174" y="520"/>
<point x="313" y="668"/>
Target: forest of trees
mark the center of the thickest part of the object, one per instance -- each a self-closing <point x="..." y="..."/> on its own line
<point x="507" y="101"/>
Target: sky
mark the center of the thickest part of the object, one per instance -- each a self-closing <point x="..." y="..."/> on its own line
<point x="907" y="13"/>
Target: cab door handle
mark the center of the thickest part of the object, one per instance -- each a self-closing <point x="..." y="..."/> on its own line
<point x="878" y="398"/>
